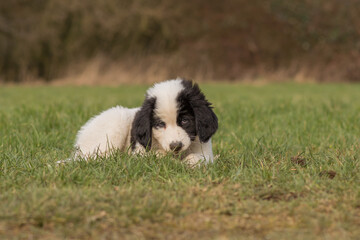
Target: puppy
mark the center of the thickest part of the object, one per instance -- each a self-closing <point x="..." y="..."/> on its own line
<point x="175" y="117"/>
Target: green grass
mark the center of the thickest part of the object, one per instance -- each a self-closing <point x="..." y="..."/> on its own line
<point x="256" y="189"/>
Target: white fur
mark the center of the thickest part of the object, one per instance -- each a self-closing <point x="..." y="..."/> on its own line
<point x="198" y="151"/>
<point x="111" y="129"/>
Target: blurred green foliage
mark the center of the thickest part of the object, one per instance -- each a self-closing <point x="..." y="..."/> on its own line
<point x="43" y="38"/>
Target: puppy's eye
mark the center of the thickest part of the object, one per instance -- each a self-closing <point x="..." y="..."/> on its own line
<point x="160" y="124"/>
<point x="184" y="121"/>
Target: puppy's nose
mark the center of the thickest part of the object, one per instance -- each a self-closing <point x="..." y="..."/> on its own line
<point x="176" y="146"/>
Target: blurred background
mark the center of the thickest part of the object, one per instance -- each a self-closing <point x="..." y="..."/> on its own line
<point x="138" y="41"/>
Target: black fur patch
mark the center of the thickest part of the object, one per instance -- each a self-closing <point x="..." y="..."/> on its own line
<point x="185" y="112"/>
<point x="141" y="130"/>
<point x="193" y="105"/>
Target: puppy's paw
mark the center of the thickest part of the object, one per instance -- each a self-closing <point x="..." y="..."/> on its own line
<point x="139" y="150"/>
<point x="194" y="160"/>
<point x="66" y="161"/>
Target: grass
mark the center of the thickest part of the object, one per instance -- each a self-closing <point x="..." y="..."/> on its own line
<point x="288" y="168"/>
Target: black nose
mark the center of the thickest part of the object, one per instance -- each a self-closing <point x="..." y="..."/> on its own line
<point x="176" y="146"/>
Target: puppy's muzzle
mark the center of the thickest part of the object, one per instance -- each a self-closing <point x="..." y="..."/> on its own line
<point x="176" y="146"/>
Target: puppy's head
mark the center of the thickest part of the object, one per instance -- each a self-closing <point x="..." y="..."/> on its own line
<point x="174" y="113"/>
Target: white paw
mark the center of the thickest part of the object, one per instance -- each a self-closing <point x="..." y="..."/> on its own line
<point x="194" y="160"/>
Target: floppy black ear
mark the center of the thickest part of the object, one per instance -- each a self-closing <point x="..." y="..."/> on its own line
<point x="141" y="130"/>
<point x="205" y="118"/>
<point x="206" y="122"/>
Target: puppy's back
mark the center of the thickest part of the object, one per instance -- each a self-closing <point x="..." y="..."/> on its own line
<point x="109" y="129"/>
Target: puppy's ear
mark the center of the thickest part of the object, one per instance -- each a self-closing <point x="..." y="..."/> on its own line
<point x="206" y="122"/>
<point x="205" y="118"/>
<point x="141" y="130"/>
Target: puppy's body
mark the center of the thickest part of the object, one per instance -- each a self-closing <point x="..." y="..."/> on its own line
<point x="110" y="129"/>
<point x="175" y="117"/>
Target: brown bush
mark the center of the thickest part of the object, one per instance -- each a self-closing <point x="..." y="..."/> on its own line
<point x="229" y="39"/>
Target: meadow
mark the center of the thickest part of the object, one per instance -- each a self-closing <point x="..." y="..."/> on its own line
<point x="288" y="167"/>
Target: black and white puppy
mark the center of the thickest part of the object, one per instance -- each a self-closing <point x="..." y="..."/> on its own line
<point x="175" y="117"/>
